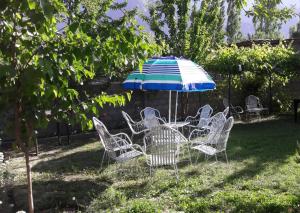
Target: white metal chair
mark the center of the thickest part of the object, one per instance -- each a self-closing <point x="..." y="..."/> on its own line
<point x="254" y="106"/>
<point x="203" y="113"/>
<point x="207" y="133"/>
<point x="226" y="111"/>
<point x="151" y="117"/>
<point x="162" y="147"/>
<point x="220" y="141"/>
<point x="235" y="110"/>
<point x="217" y="119"/>
<point x="135" y="127"/>
<point x="1" y="157"/>
<point x="149" y="111"/>
<point x="118" y="147"/>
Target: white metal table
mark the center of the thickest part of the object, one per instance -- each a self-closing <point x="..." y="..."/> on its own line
<point x="176" y="125"/>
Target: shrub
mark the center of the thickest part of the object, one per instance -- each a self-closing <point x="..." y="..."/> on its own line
<point x="298" y="152"/>
<point x="142" y="206"/>
<point x="110" y="199"/>
<point x="241" y="201"/>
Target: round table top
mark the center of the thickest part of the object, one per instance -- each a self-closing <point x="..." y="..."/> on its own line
<point x="177" y="124"/>
<point x="256" y="109"/>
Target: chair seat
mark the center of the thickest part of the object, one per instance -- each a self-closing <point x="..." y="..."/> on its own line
<point x="206" y="149"/>
<point x="254" y="110"/>
<point x="160" y="160"/>
<point x="127" y="146"/>
<point x="199" y="140"/>
<point x="128" y="155"/>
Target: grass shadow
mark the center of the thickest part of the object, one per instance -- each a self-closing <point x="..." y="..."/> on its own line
<point x="257" y="146"/>
<point x="58" y="195"/>
<point x="72" y="163"/>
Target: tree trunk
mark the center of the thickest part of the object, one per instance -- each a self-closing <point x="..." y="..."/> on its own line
<point x="36" y="144"/>
<point x="184" y="104"/>
<point x="25" y="149"/>
<point x="29" y="183"/>
<point x="18" y="120"/>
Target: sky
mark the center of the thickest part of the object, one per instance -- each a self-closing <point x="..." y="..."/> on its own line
<point x="246" y="25"/>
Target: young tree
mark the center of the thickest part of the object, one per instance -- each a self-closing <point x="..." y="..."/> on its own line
<point x="295" y="30"/>
<point x="268" y="18"/>
<point x="42" y="68"/>
<point x="191" y="38"/>
<point x="183" y="37"/>
<point x="233" y="26"/>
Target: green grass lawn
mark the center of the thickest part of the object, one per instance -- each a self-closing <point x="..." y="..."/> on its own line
<point x="262" y="176"/>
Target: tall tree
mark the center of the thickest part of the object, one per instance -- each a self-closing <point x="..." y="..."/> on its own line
<point x="233" y="26"/>
<point x="295" y="30"/>
<point x="191" y="38"/>
<point x="268" y="18"/>
<point x="42" y="68"/>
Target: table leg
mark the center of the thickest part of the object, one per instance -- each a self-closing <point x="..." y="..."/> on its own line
<point x="58" y="133"/>
<point x="68" y="133"/>
<point x="295" y="110"/>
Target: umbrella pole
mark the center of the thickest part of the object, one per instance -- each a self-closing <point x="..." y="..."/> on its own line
<point x="170" y="98"/>
<point x="176" y="106"/>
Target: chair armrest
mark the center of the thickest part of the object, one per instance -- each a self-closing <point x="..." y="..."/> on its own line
<point x="238" y="109"/>
<point x="203" y="122"/>
<point x="248" y="107"/>
<point x="139" y="148"/>
<point x="197" y="133"/>
<point x="122" y="136"/>
<point x="161" y="120"/>
<point x="164" y="119"/>
<point x="191" y="118"/>
<point x="139" y="127"/>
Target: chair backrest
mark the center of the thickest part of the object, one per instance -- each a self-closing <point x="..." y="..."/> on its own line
<point x="205" y="111"/>
<point x="215" y="126"/>
<point x="162" y="145"/>
<point x="151" y="117"/>
<point x="149" y="112"/>
<point x="226" y="111"/>
<point x="252" y="102"/>
<point x="225" y="102"/>
<point x="135" y="127"/>
<point x="106" y="139"/>
<point x="224" y="135"/>
<point x="217" y="120"/>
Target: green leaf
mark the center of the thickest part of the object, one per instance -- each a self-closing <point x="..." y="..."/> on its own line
<point x="31" y="4"/>
<point x="55" y="92"/>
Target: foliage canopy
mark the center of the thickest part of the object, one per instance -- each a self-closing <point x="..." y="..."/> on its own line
<point x="187" y="28"/>
<point x="258" y="62"/>
<point x="43" y="69"/>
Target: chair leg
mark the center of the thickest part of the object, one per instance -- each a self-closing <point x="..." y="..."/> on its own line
<point x="226" y="156"/>
<point x="176" y="172"/>
<point x="102" y="159"/>
<point x="132" y="136"/>
<point x="206" y="157"/>
<point x="190" y="157"/>
<point x="108" y="159"/>
<point x="138" y="167"/>
<point x="197" y="157"/>
<point x="216" y="157"/>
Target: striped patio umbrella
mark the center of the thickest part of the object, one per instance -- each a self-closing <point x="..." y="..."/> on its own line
<point x="172" y="74"/>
